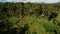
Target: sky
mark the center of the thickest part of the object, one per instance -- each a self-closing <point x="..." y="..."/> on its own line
<point x="33" y="1"/>
<point x="3" y="0"/>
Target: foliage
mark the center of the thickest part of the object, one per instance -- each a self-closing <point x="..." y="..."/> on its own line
<point x="29" y="18"/>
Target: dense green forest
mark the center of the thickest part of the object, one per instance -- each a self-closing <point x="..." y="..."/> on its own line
<point x="29" y="18"/>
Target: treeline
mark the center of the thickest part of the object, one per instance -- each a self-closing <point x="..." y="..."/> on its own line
<point x="22" y="9"/>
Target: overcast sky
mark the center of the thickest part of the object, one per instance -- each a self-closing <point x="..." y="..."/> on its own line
<point x="37" y="1"/>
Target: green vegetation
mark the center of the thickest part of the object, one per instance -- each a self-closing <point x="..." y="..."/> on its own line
<point x="29" y="18"/>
